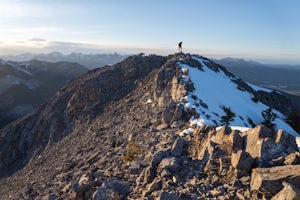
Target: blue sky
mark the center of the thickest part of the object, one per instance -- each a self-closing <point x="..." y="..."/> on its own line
<point x="266" y="31"/>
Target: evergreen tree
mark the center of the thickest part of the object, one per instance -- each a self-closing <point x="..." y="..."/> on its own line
<point x="269" y="117"/>
<point x="226" y="119"/>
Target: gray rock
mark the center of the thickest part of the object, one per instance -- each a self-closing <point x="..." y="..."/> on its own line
<point x="286" y="139"/>
<point x="168" y="113"/>
<point x="157" y="157"/>
<point x="292" y="159"/>
<point x="269" y="180"/>
<point x="100" y="194"/>
<point x="178" y="112"/>
<point x="155" y="185"/>
<point x="169" y="165"/>
<point x="167" y="196"/>
<point x="242" y="161"/>
<point x="121" y="187"/>
<point x="113" y="188"/>
<point x="177" y="147"/>
<point x="289" y="192"/>
<point x="264" y="149"/>
<point x="150" y="174"/>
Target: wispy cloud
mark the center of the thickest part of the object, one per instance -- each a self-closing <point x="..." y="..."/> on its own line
<point x="37" y="40"/>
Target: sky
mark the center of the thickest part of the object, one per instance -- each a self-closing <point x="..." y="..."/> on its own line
<point x="267" y="31"/>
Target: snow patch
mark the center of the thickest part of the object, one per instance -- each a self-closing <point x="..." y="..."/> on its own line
<point x="186" y="132"/>
<point x="238" y="128"/>
<point x="149" y="101"/>
<point x="298" y="142"/>
<point x="215" y="90"/>
<point x="258" y="88"/>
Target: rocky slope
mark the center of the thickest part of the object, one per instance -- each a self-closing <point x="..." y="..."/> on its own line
<point x="25" y="85"/>
<point x="124" y="132"/>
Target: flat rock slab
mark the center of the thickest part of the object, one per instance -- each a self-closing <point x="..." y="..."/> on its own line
<point x="269" y="180"/>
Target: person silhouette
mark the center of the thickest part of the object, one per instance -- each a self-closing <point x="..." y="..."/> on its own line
<point x="180" y="47"/>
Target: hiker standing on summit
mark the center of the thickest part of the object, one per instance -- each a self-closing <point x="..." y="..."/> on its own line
<point x="180" y="47"/>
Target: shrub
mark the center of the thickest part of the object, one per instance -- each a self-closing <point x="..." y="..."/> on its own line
<point x="185" y="72"/>
<point x="133" y="149"/>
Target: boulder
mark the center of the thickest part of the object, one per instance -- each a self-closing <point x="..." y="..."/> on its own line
<point x="167" y="196"/>
<point x="265" y="149"/>
<point x="242" y="162"/>
<point x="168" y="113"/>
<point x="114" y="188"/>
<point x="178" y="89"/>
<point x="84" y="184"/>
<point x="155" y="185"/>
<point x="229" y="140"/>
<point x="178" y="112"/>
<point x="292" y="159"/>
<point x="177" y="147"/>
<point x="286" y="139"/>
<point x="269" y="180"/>
<point x="150" y="172"/>
<point x="289" y="192"/>
<point x="169" y="166"/>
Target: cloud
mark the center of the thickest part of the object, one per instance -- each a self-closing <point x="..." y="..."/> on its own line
<point x="37" y="40"/>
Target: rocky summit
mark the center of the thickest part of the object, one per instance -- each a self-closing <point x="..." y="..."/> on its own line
<point x="153" y="127"/>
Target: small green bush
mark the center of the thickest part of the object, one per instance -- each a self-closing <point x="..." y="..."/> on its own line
<point x="133" y="149"/>
<point x="185" y="72"/>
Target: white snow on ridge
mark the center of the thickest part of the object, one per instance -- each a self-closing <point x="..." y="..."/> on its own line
<point x="213" y="90"/>
<point x="19" y="68"/>
<point x="239" y="128"/>
<point x="298" y="142"/>
<point x="258" y="88"/>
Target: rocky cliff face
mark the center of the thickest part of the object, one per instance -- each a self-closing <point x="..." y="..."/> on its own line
<point x="124" y="132"/>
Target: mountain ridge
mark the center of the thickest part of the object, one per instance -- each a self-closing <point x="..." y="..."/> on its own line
<point x="25" y="85"/>
<point x="122" y="126"/>
<point x="278" y="77"/>
<point x="90" y="61"/>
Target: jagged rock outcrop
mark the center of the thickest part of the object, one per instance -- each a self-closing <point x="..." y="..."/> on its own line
<point x="262" y="154"/>
<point x="120" y="132"/>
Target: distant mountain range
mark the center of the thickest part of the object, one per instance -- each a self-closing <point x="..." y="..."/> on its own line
<point x="280" y="77"/>
<point x="25" y="85"/>
<point x="90" y="61"/>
